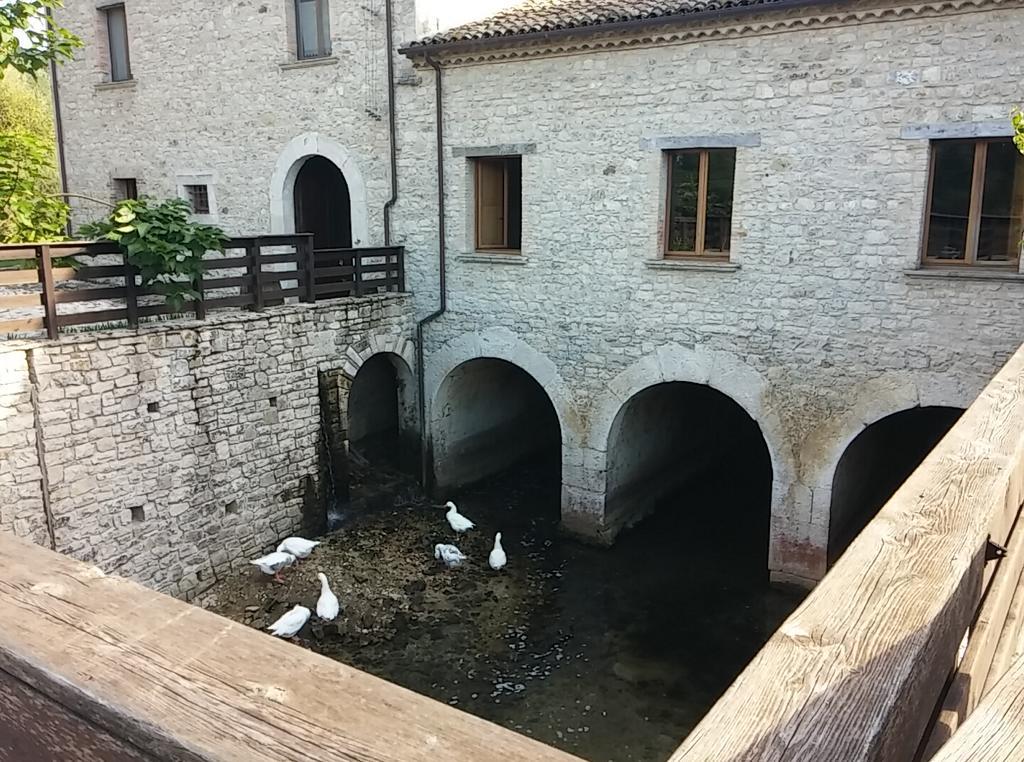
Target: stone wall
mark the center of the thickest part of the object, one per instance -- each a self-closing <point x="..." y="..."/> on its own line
<point x="181" y="450"/>
<point x="820" y="325"/>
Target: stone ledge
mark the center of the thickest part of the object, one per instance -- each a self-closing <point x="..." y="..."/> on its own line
<point x="505" y="149"/>
<point x="308" y="63"/>
<point x="692" y="265"/>
<point x="493" y="259"/>
<point x="125" y="84"/>
<point x="965" y="273"/>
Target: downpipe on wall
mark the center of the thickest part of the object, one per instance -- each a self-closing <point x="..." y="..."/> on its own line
<point x="442" y="284"/>
<point x="392" y="129"/>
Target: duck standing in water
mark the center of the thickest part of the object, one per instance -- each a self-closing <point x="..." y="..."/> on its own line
<point x="497" y="559"/>
<point x="299" y="547"/>
<point x="449" y="555"/>
<point x="273" y="563"/>
<point x="327" y="606"/>
<point x="290" y="622"/>
<point x="456" y="520"/>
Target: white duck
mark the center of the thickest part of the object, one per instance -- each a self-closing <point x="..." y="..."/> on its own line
<point x="327" y="605"/>
<point x="497" y="559"/>
<point x="456" y="520"/>
<point x="449" y="554"/>
<point x="297" y="546"/>
<point x="290" y="622"/>
<point x="273" y="563"/>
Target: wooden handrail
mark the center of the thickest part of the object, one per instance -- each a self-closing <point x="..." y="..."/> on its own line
<point x="855" y="672"/>
<point x="101" y="662"/>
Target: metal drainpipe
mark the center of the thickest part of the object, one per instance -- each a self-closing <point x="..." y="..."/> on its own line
<point x="422" y="399"/>
<point x="58" y="125"/>
<point x="389" y="205"/>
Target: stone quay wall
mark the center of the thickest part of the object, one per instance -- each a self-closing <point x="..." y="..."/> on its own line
<point x="178" y="451"/>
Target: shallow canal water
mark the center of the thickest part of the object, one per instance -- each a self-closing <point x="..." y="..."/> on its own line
<point x="611" y="654"/>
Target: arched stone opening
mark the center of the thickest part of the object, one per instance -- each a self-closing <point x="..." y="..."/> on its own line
<point x="322" y="204"/>
<point x="488" y="417"/>
<point x="382" y="413"/>
<point x="876" y="463"/>
<point x="694" y="451"/>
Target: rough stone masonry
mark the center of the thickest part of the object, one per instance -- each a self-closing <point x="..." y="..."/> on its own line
<point x="175" y="452"/>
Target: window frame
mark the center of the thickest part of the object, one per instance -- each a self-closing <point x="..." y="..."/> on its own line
<point x="973" y="209"/>
<point x="699" y="252"/>
<point x="106" y="10"/>
<point x="478" y="200"/>
<point x="129" y="186"/>
<point x="191" y="199"/>
<point x="323" y="30"/>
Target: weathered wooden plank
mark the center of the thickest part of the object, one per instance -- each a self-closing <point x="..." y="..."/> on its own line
<point x="968" y="681"/>
<point x="37" y="729"/>
<point x="1005" y="650"/>
<point x="89" y="294"/>
<point x="858" y="681"/>
<point x="16" y="277"/>
<point x="96" y="316"/>
<point x="181" y="683"/>
<point x="20" y="300"/>
<point x="995" y="731"/>
<point x="22" y="325"/>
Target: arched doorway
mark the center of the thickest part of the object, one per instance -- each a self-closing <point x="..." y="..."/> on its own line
<point x="696" y="454"/>
<point x="382" y="413"/>
<point x="322" y="204"/>
<point x="876" y="463"/>
<point x="490" y="416"/>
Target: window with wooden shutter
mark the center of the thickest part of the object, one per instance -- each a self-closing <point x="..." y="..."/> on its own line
<point x="498" y="203"/>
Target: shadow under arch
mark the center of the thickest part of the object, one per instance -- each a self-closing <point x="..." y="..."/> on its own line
<point x="381" y="412"/>
<point x="489" y="415"/>
<point x="692" y="449"/>
<point x="876" y="462"/>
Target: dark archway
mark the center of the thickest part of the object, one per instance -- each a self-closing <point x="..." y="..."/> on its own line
<point x="876" y="463"/>
<point x="692" y="449"/>
<point x="381" y="415"/>
<point x="488" y="417"/>
<point x="322" y="204"/>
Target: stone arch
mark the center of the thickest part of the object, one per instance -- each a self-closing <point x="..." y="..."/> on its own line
<point x="874" y="400"/>
<point x="721" y="371"/>
<point x="503" y="344"/>
<point x="282" y="183"/>
<point x="496" y="347"/>
<point x="382" y="422"/>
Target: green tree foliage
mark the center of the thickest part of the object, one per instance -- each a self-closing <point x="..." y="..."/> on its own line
<point x="29" y="38"/>
<point x="162" y="242"/>
<point x="29" y="210"/>
<point x="1018" y="129"/>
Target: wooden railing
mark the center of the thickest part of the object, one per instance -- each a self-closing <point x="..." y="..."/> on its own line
<point x="97" y="667"/>
<point x="867" y="667"/>
<point x="81" y="283"/>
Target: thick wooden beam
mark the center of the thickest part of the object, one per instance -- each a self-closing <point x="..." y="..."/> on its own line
<point x="855" y="672"/>
<point x="172" y="681"/>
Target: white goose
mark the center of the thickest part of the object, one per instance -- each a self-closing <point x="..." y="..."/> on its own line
<point x="290" y="622"/>
<point x="273" y="563"/>
<point x="456" y="520"/>
<point x="449" y="554"/>
<point x="297" y="546"/>
<point x="327" y="605"/>
<point x="497" y="559"/>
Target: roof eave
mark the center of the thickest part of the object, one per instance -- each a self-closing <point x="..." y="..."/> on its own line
<point x="685" y="19"/>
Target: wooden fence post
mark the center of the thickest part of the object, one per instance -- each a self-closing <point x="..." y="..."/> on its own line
<point x="308" y="257"/>
<point x="252" y="253"/>
<point x="357" y="266"/>
<point x="400" y="254"/>
<point x="131" y="294"/>
<point x="49" y="299"/>
<point x="200" y="306"/>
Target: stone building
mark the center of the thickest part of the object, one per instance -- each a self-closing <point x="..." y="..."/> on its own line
<point x="780" y="239"/>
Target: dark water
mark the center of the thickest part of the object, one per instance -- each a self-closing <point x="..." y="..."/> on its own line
<point x="611" y="654"/>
